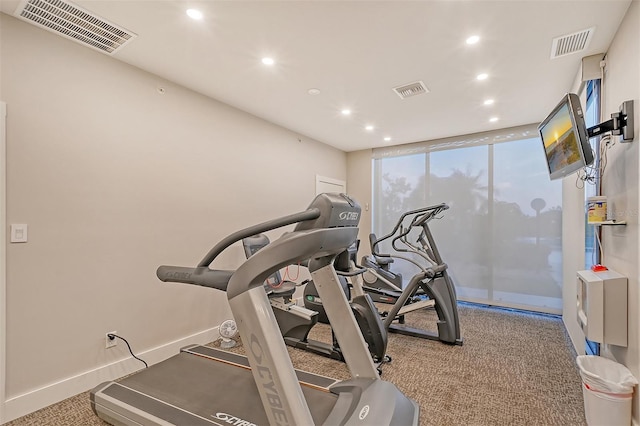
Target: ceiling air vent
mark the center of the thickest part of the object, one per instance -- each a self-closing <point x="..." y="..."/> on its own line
<point x="411" y="89"/>
<point x="571" y="43"/>
<point x="73" y="22"/>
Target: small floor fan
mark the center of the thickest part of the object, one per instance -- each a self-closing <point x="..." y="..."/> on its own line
<point x="228" y="329"/>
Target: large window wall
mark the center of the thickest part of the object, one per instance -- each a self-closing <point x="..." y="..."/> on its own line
<point x="501" y="236"/>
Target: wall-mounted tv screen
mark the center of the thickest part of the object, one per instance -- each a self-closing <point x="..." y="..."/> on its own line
<point x="564" y="137"/>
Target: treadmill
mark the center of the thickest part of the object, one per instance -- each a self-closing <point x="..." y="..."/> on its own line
<point x="206" y="386"/>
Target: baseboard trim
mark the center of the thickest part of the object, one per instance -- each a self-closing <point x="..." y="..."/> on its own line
<point x="37" y="399"/>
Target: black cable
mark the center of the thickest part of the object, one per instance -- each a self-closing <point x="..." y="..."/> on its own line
<point x="113" y="336"/>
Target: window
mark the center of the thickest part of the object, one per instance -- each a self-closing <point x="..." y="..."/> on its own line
<point x="592" y="117"/>
<point x="502" y="235"/>
<point x="592" y="252"/>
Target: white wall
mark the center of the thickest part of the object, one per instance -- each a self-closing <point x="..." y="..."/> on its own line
<point x="620" y="182"/>
<point x="3" y="256"/>
<point x="573" y="248"/>
<point x="114" y="179"/>
<point x="359" y="185"/>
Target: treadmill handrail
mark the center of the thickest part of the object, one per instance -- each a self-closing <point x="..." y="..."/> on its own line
<point x="219" y="279"/>
<point x="213" y="278"/>
<point x="309" y="214"/>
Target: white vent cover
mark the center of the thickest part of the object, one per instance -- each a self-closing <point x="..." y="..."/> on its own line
<point x="75" y="23"/>
<point x="571" y="43"/>
<point x="411" y="89"/>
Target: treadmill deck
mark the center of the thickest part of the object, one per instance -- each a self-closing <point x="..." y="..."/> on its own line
<point x="186" y="390"/>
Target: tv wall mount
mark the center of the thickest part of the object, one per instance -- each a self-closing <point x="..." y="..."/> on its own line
<point x="621" y="124"/>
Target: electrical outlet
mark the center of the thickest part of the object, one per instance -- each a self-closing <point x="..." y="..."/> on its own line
<point x="110" y="343"/>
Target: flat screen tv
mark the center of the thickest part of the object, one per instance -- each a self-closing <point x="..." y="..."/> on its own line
<point x="564" y="137"/>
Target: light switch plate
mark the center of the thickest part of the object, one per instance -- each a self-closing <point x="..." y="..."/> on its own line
<point x="19" y="233"/>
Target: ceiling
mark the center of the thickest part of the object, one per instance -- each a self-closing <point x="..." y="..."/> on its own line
<point x="356" y="52"/>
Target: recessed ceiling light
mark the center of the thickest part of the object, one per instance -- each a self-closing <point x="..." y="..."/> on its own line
<point x="473" y="39"/>
<point x="489" y="102"/>
<point x="368" y="128"/>
<point x="194" y="14"/>
<point x="493" y="119"/>
<point x="313" y="91"/>
<point x="346" y="112"/>
<point x="482" y="76"/>
<point x="268" y="61"/>
<point x="387" y="139"/>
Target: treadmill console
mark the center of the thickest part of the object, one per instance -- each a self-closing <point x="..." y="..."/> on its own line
<point x="336" y="211"/>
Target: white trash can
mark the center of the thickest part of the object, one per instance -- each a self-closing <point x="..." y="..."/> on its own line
<point x="607" y="388"/>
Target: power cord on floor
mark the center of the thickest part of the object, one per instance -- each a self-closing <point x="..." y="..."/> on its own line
<point x="114" y="336"/>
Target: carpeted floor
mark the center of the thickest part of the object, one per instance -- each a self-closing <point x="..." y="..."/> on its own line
<point x="514" y="369"/>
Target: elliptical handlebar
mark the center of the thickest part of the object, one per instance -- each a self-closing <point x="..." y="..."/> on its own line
<point x="412" y="249"/>
<point x="420" y="218"/>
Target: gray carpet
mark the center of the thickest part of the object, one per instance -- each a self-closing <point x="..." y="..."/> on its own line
<point x="514" y="369"/>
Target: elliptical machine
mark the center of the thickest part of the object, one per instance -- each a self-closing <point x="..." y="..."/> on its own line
<point x="379" y="281"/>
<point x="296" y="322"/>
<point x="430" y="288"/>
<point x="432" y="281"/>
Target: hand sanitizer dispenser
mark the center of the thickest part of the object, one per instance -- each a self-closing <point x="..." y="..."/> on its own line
<point x="602" y="306"/>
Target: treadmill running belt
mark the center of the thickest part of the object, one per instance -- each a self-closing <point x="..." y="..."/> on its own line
<point x="196" y="386"/>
